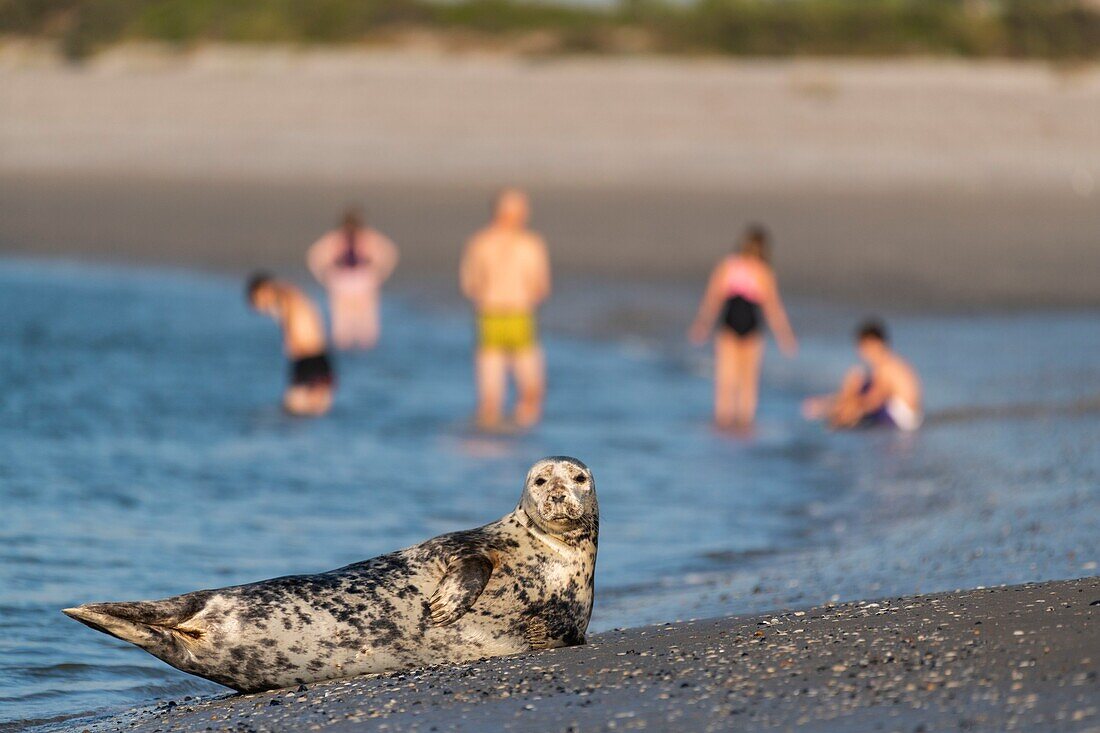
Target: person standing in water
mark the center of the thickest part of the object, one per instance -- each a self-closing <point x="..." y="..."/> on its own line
<point x="505" y="273"/>
<point x="311" y="376"/>
<point x="886" y="393"/>
<point x="741" y="295"/>
<point x="352" y="263"/>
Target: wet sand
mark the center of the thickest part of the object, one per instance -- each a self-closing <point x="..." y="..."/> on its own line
<point x="1010" y="658"/>
<point x="893" y="183"/>
<point x="912" y="249"/>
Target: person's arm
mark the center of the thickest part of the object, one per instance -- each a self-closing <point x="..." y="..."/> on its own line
<point x="847" y="407"/>
<point x="708" y="306"/>
<point x="468" y="271"/>
<point x="880" y="391"/>
<point x="540" y="272"/>
<point x="319" y="258"/>
<point x="821" y="407"/>
<point x="385" y="255"/>
<point x="282" y="312"/>
<point x="776" y="315"/>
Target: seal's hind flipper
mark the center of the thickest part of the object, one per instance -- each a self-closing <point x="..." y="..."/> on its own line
<point x="459" y="588"/>
<point x="143" y="623"/>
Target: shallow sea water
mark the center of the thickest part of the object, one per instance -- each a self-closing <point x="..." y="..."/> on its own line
<point x="143" y="454"/>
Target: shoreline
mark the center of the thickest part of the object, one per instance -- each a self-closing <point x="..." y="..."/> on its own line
<point x="883" y="250"/>
<point x="1013" y="657"/>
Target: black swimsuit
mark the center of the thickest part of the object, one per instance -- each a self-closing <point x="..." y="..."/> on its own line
<point x="350" y="258"/>
<point x="741" y="316"/>
<point x="312" y="371"/>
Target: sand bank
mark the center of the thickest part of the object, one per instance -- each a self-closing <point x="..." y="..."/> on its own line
<point x="925" y="182"/>
<point x="1010" y="658"/>
<point x="460" y="119"/>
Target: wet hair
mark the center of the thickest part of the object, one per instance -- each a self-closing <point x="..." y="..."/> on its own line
<point x="353" y="218"/>
<point x="873" y="329"/>
<point x="256" y="281"/>
<point x="756" y="242"/>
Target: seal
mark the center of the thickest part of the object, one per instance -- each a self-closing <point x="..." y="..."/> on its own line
<point x="522" y="583"/>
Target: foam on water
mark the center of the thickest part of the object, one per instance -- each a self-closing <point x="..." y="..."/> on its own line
<point x="142" y="454"/>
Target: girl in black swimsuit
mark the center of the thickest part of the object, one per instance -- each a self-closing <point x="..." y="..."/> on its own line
<point x="741" y="316"/>
<point x="741" y="293"/>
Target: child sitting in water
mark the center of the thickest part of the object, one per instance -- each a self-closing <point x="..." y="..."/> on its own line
<point x="311" y="377"/>
<point x="887" y="392"/>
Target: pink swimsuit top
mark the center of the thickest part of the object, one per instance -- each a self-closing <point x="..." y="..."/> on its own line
<point x="741" y="281"/>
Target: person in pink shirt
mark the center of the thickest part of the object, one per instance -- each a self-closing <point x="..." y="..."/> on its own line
<point x="742" y="295"/>
<point x="352" y="262"/>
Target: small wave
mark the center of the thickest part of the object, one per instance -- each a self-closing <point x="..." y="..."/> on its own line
<point x="75" y="668"/>
<point x="728" y="557"/>
<point x="1017" y="411"/>
<point x="26" y="724"/>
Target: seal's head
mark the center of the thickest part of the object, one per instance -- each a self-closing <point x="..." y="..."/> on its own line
<point x="559" y="496"/>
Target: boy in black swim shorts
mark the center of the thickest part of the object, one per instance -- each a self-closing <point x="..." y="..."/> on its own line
<point x="311" y="376"/>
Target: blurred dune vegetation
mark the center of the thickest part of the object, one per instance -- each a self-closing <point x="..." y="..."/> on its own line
<point x="1063" y="30"/>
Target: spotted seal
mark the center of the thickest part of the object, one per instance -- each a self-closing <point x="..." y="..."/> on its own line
<point x="518" y="584"/>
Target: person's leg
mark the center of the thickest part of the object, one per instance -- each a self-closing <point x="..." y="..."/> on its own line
<point x="368" y="320"/>
<point x="320" y="400"/>
<point x="294" y="400"/>
<point x="750" y="353"/>
<point x="307" y="401"/>
<point x="343" y="320"/>
<point x="355" y="320"/>
<point x="530" y="371"/>
<point x="491" y="366"/>
<point x="726" y="378"/>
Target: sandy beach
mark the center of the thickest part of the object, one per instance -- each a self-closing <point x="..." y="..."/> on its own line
<point x="999" y="659"/>
<point x="390" y="117"/>
<point x="872" y="175"/>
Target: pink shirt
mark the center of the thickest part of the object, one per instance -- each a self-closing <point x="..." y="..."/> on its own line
<point x="742" y="280"/>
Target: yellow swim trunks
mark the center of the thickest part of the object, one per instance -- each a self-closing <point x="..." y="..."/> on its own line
<point x="506" y="331"/>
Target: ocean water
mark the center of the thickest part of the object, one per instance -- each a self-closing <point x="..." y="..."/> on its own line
<point x="143" y="454"/>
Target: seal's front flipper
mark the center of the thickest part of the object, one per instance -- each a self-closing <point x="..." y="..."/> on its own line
<point x="459" y="588"/>
<point x="144" y="623"/>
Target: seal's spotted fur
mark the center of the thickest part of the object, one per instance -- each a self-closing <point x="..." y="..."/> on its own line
<point x="523" y="582"/>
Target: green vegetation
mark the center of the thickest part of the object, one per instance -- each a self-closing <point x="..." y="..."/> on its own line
<point x="1048" y="29"/>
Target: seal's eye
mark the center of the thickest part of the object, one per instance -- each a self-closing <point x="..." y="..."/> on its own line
<point x="580" y="478"/>
<point x="540" y="481"/>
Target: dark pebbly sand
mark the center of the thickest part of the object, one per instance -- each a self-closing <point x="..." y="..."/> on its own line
<point x="1010" y="658"/>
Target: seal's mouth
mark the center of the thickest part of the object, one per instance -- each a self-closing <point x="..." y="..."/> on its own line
<point x="560" y="510"/>
<point x="136" y="623"/>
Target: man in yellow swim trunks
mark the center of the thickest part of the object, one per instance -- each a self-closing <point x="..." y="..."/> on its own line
<point x="505" y="273"/>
